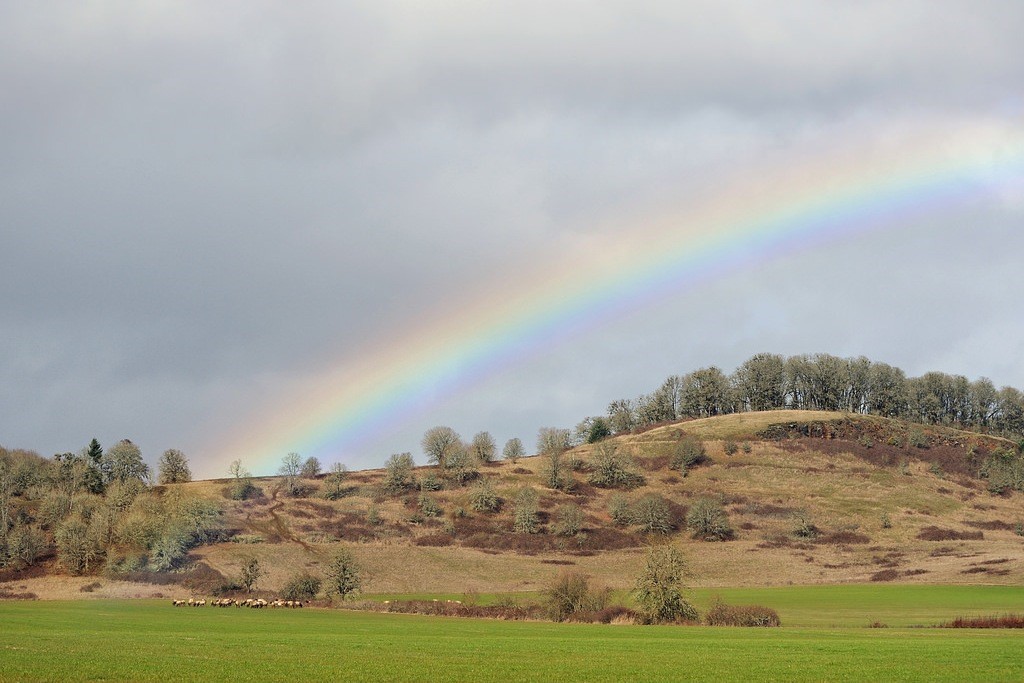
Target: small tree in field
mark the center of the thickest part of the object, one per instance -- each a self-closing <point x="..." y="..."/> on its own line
<point x="123" y="461"/>
<point x="398" y="476"/>
<point x="614" y="469"/>
<point x="343" y="575"/>
<point x="513" y="450"/>
<point x="600" y="429"/>
<point x="334" y="484"/>
<point x="311" y="468"/>
<point x="688" y="452"/>
<point x="302" y="586"/>
<point x="241" y="485"/>
<point x="525" y="516"/>
<point x="484" y="498"/>
<point x="483" y="447"/>
<point x="440" y="443"/>
<point x="569" y="520"/>
<point x="250" y="573"/>
<point x="651" y="513"/>
<point x="708" y="521"/>
<point x="658" y="589"/>
<point x="460" y="466"/>
<point x="291" y="468"/>
<point x="173" y="467"/>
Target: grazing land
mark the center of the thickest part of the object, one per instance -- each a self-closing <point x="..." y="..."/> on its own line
<point x="150" y="640"/>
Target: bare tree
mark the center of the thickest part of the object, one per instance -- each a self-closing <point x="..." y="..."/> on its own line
<point x="659" y="588"/>
<point x="483" y="447"/>
<point x="124" y="461"/>
<point x="344" y="576"/>
<point x="250" y="573"/>
<point x="173" y="467"/>
<point x="311" y="468"/>
<point x="398" y="476"/>
<point x="441" y="443"/>
<point x="291" y="468"/>
<point x="513" y="450"/>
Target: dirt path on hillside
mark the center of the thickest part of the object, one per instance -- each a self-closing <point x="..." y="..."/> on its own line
<point x="277" y="526"/>
<point x="281" y="527"/>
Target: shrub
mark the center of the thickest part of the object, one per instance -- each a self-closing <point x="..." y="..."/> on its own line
<point x="302" y="586"/>
<point x="460" y="466"/>
<point x="917" y="438"/>
<point x="25" y="544"/>
<point x="250" y="573"/>
<point x="997" y="621"/>
<point x="77" y="549"/>
<point x="886" y="521"/>
<point x="429" y="506"/>
<point x="865" y="441"/>
<point x="614" y="469"/>
<point x="398" y="476"/>
<point x="242" y="489"/>
<point x="1018" y="528"/>
<point x="805" y="527"/>
<point x="651" y="513"/>
<point x="484" y="498"/>
<point x="569" y="520"/>
<point x="599" y="430"/>
<point x="730" y="447"/>
<point x="570" y="595"/>
<point x="431" y="483"/>
<point x="373" y="516"/>
<point x="334" y="484"/>
<point x="658" y="588"/>
<point x="513" y="450"/>
<point x="747" y="447"/>
<point x="708" y="521"/>
<point x="168" y="550"/>
<point x="310" y="468"/>
<point x="619" y="510"/>
<point x="936" y="469"/>
<point x="721" y="614"/>
<point x="483" y="447"/>
<point x="556" y="472"/>
<point x="1004" y="471"/>
<point x="688" y="453"/>
<point x="525" y="516"/>
<point x="574" y="462"/>
<point x="344" y="577"/>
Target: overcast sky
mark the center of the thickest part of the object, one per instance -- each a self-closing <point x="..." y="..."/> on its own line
<point x="205" y="206"/>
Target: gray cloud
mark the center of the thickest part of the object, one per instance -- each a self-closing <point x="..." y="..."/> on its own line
<point x="207" y="204"/>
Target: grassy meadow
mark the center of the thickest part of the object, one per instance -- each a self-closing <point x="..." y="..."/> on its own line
<point x="824" y="637"/>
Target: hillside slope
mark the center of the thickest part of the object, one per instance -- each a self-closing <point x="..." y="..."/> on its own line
<point x="873" y="507"/>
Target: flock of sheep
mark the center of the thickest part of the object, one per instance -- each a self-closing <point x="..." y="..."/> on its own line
<point x="255" y="603"/>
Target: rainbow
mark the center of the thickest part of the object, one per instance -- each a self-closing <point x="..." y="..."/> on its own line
<point x="840" y="195"/>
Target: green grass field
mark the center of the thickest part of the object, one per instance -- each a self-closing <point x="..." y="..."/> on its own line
<point x="843" y="606"/>
<point x="824" y="639"/>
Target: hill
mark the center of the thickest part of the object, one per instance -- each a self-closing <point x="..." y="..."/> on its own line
<point x="811" y="498"/>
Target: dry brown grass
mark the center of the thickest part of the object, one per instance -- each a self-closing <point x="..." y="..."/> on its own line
<point x="840" y="484"/>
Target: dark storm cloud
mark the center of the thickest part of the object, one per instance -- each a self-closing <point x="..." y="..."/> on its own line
<point x="207" y="203"/>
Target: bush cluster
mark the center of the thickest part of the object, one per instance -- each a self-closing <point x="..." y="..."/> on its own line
<point x="614" y="469"/>
<point x="570" y="596"/>
<point x="688" y="453"/>
<point x="303" y="586"/>
<point x="721" y="614"/>
<point x="708" y="520"/>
